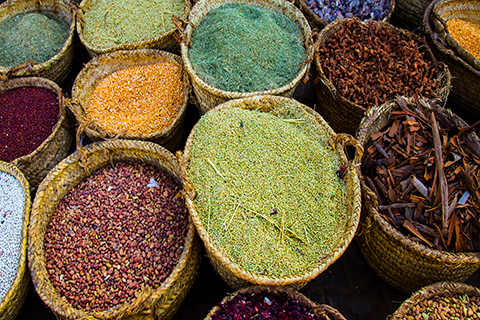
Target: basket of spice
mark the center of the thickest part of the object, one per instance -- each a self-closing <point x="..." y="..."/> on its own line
<point x="235" y="49"/>
<point x="37" y="39"/>
<point x="442" y="300"/>
<point x="420" y="222"/>
<point x="271" y="303"/>
<point x="364" y="64"/>
<point x="248" y="162"/>
<point x="322" y="12"/>
<point x="111" y="25"/>
<point x="453" y="32"/>
<point x="15" y="206"/>
<point x="111" y="236"/>
<point x="36" y="132"/>
<point x="132" y="94"/>
<point x="410" y="12"/>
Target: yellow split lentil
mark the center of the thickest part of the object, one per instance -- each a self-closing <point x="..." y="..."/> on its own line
<point x="467" y="34"/>
<point x="137" y="100"/>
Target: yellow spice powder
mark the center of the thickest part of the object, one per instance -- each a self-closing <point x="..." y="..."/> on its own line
<point x="138" y="100"/>
<point x="467" y="35"/>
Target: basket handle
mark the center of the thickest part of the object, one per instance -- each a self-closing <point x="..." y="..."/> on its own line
<point x="18" y="70"/>
<point x="342" y="140"/>
<point x="326" y="310"/>
<point x="180" y="24"/>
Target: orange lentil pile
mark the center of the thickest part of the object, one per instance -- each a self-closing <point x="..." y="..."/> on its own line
<point x="137" y="100"/>
<point x="467" y="35"/>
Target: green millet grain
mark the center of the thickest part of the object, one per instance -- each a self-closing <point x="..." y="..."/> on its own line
<point x="267" y="190"/>
<point x="30" y="36"/>
<point x="243" y="48"/>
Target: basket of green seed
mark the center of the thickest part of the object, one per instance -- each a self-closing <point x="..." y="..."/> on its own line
<point x="276" y="199"/>
<point x="441" y="300"/>
<point x="234" y="49"/>
<point x="15" y="206"/>
<point x="36" y="39"/>
<point x="110" y="25"/>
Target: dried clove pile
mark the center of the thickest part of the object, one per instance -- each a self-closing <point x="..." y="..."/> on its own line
<point x="424" y="170"/>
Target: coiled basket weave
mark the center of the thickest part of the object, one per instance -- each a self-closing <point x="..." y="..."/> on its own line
<point x="58" y="67"/>
<point x="403" y="263"/>
<point x="11" y="305"/>
<point x="208" y="96"/>
<point x="161" y="303"/>
<point x="36" y="165"/>
<point x="237" y="276"/>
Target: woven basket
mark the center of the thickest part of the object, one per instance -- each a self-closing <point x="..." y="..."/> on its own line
<point x="161" y="303"/>
<point x="101" y="67"/>
<point x="344" y="115"/>
<point x="437" y="289"/>
<point x="208" y="96"/>
<point x="165" y="41"/>
<point x="465" y="69"/>
<point x="317" y="22"/>
<point x="319" y="310"/>
<point x="11" y="305"/>
<point x="56" y="147"/>
<point x="404" y="264"/>
<point x="233" y="274"/>
<point x="58" y="67"/>
<point x="410" y="12"/>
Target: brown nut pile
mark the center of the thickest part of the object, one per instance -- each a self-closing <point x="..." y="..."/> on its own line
<point x="457" y="307"/>
<point x="370" y="63"/>
<point x="119" y="229"/>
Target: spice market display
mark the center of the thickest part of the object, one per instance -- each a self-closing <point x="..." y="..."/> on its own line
<point x="270" y="191"/>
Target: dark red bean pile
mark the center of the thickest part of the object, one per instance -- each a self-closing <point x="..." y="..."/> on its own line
<point x="263" y="306"/>
<point x="370" y="64"/>
<point x="113" y="233"/>
<point x="27" y="117"/>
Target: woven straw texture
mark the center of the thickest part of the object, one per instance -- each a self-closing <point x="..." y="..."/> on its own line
<point x="56" y="147"/>
<point x="404" y="264"/>
<point x="410" y="12"/>
<point x="209" y="97"/>
<point x="104" y="65"/>
<point x="318" y="310"/>
<point x="233" y="274"/>
<point x="58" y="67"/>
<point x="165" y="41"/>
<point x="11" y="305"/>
<point x="149" y="304"/>
<point x="344" y="115"/>
<point x="436" y="289"/>
<point x="464" y="68"/>
<point x="317" y="22"/>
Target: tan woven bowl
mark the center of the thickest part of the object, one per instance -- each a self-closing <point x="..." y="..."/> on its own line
<point x="56" y="147"/>
<point x="104" y="65"/>
<point x="58" y="67"/>
<point x="317" y="22"/>
<point x="403" y="263"/>
<point x="11" y="305"/>
<point x="345" y="115"/>
<point x="164" y="41"/>
<point x="437" y="289"/>
<point x="232" y="273"/>
<point x="465" y="69"/>
<point x="161" y="303"/>
<point x="208" y="96"/>
<point x="319" y="310"/>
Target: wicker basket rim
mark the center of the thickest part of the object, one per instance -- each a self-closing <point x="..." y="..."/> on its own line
<point x="294" y="14"/>
<point x="350" y="226"/>
<point x="63" y="6"/>
<point x="38" y="267"/>
<point x="22" y="267"/>
<point x="153" y="55"/>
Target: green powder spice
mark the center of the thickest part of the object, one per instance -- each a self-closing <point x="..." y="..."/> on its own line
<point x="110" y="23"/>
<point x="267" y="189"/>
<point x="243" y="48"/>
<point x="30" y="36"/>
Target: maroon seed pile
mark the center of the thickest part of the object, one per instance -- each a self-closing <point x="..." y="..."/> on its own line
<point x="370" y="64"/>
<point x="119" y="229"/>
<point x="27" y="117"/>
